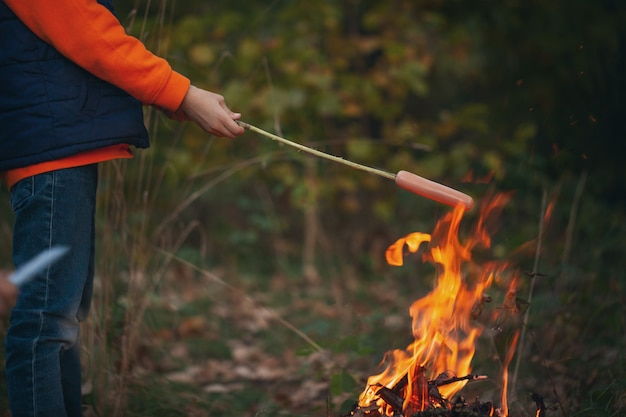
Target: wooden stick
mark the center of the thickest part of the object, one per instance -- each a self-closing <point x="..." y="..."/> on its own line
<point x="315" y="152"/>
<point x="457" y="379"/>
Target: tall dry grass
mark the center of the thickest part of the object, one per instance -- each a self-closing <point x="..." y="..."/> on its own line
<point x="128" y="268"/>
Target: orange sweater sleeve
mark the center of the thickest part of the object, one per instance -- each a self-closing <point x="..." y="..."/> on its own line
<point x="88" y="34"/>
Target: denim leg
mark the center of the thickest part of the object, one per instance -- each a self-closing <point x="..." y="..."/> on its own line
<point x="42" y="343"/>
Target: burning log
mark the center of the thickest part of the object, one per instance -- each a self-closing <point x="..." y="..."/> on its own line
<point x="418" y="394"/>
<point x="458" y="408"/>
<point x="394" y="400"/>
<point x="424" y="399"/>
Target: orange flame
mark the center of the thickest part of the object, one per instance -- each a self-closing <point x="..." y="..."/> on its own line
<point x="443" y="330"/>
<point x="505" y="373"/>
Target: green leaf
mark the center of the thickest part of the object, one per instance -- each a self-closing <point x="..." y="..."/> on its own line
<point x="342" y="382"/>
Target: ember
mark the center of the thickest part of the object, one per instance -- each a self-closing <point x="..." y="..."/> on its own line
<point x="422" y="379"/>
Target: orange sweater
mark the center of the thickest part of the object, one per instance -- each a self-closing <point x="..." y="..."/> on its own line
<point x="88" y="34"/>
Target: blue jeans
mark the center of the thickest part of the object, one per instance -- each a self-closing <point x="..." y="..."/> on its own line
<point x="43" y="365"/>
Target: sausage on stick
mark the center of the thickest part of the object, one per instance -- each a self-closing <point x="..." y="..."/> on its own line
<point x="404" y="179"/>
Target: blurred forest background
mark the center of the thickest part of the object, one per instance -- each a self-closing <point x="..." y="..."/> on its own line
<point x="243" y="278"/>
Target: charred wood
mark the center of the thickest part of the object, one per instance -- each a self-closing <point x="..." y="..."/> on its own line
<point x="440" y="382"/>
<point x="418" y="393"/>
<point x="541" y="407"/>
<point x="391" y="398"/>
<point x="424" y="399"/>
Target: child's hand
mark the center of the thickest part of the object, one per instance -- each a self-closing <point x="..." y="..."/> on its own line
<point x="210" y="112"/>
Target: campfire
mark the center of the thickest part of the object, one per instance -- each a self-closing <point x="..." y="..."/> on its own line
<point x="425" y="378"/>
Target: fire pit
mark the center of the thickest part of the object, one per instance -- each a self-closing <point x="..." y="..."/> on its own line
<point x="426" y="378"/>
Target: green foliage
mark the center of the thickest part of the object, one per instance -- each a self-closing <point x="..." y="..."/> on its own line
<point x="341" y="383"/>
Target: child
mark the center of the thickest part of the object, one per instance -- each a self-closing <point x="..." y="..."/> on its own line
<point x="72" y="88"/>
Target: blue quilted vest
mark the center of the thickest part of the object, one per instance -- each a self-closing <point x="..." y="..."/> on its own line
<point x="51" y="108"/>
